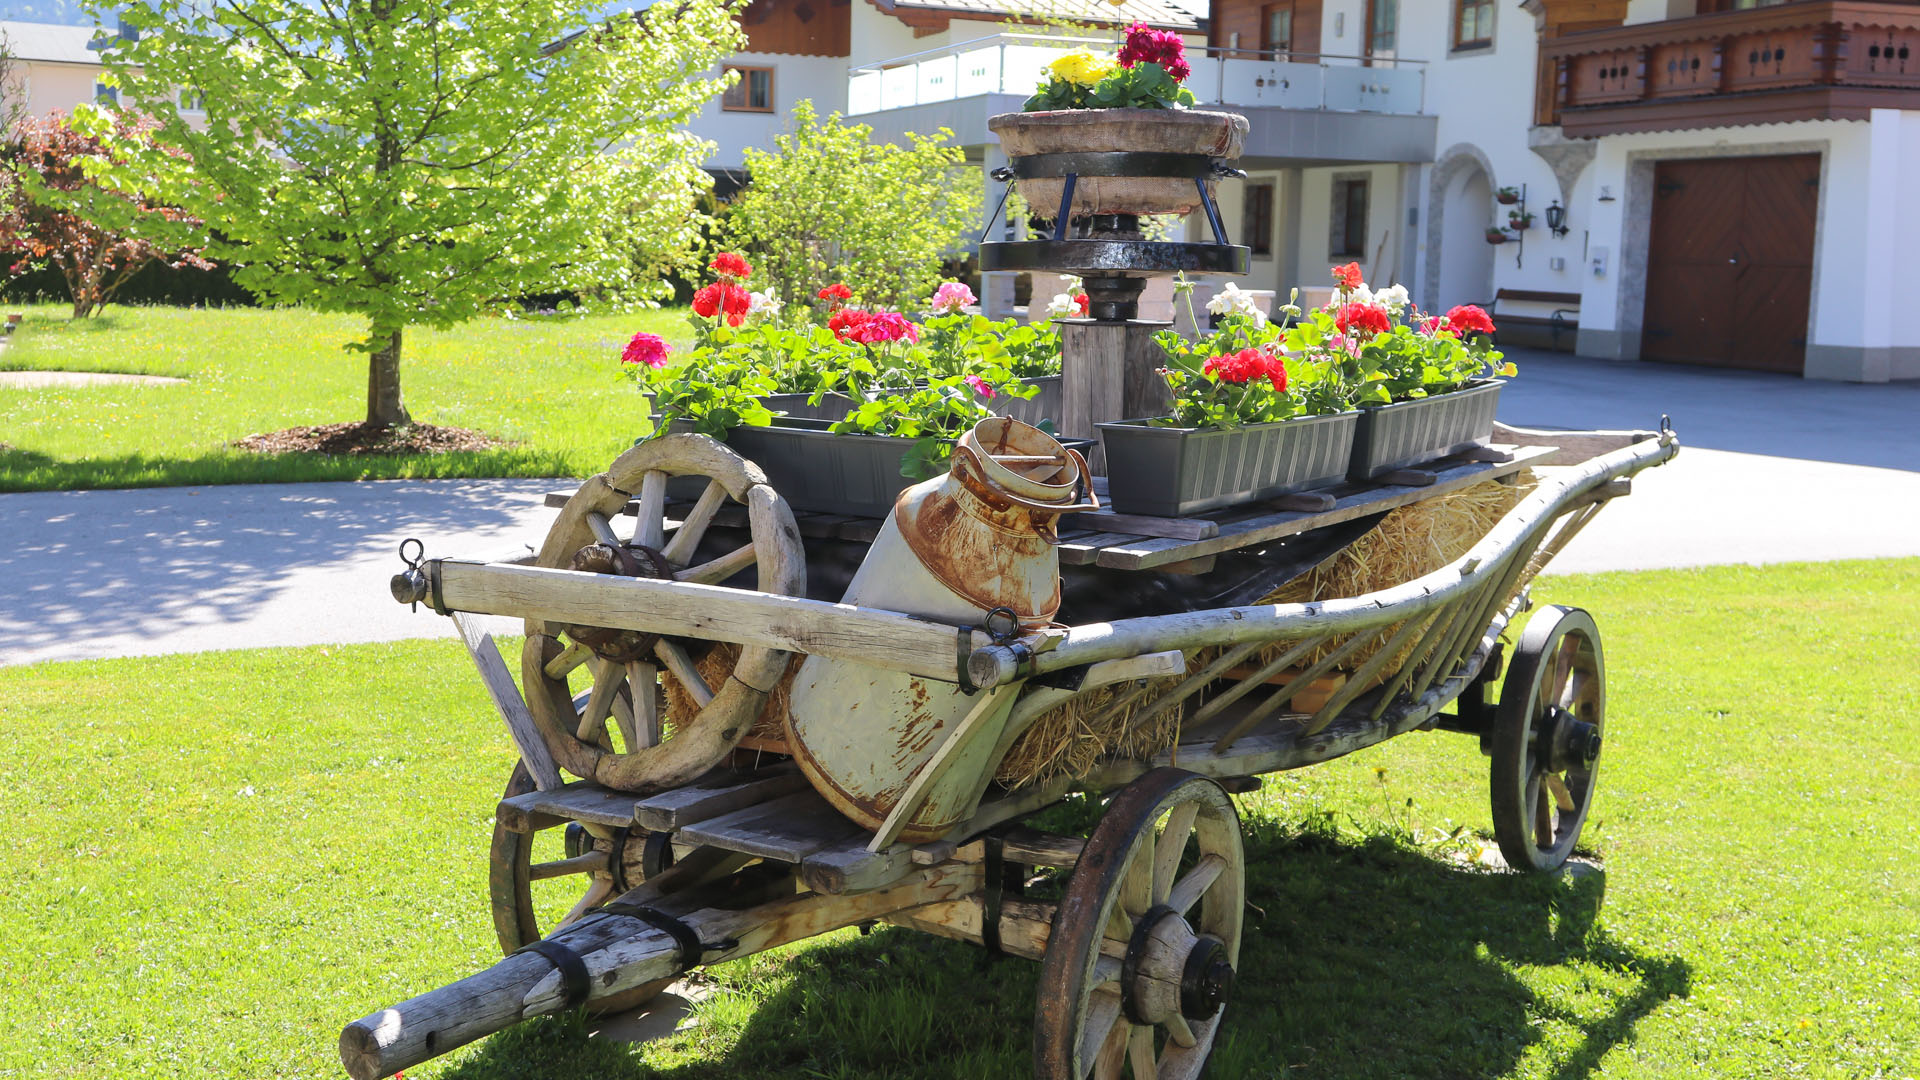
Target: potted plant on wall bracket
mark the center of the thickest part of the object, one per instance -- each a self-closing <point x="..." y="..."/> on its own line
<point x="1496" y="235"/>
<point x="1520" y="220"/>
<point x="1248" y="422"/>
<point x="1507" y="196"/>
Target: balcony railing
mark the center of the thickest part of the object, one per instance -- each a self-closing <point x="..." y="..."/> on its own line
<point x="1015" y="64"/>
<point x="1821" y="59"/>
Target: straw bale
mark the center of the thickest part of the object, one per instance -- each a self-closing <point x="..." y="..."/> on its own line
<point x="1072" y="738"/>
<point x="714" y="666"/>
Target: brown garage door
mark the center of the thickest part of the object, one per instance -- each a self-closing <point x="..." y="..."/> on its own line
<point x="1730" y="265"/>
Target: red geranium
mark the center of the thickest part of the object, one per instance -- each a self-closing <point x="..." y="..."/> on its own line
<point x="845" y="322"/>
<point x="1348" y="276"/>
<point x="722" y="297"/>
<point x="1363" y="319"/>
<point x="1248" y="365"/>
<point x="1146" y="45"/>
<point x="1081" y="303"/>
<point x="1469" y="318"/>
<point x="836" y="292"/>
<point x="728" y="264"/>
<point x="648" y="349"/>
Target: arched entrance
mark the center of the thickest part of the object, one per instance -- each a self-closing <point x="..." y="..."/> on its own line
<point x="1459" y="259"/>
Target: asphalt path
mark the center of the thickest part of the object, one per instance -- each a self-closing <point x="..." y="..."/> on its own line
<point x="1773" y="469"/>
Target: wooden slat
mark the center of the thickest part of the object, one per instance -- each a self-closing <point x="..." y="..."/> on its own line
<point x="1084" y="549"/>
<point x="883" y="639"/>
<point x="1190" y="528"/>
<point x="575" y="802"/>
<point x="509" y="704"/>
<point x="788" y="828"/>
<point x="1350" y="502"/>
<point x="680" y="807"/>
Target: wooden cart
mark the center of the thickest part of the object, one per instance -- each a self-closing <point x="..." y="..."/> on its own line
<point x="1138" y="952"/>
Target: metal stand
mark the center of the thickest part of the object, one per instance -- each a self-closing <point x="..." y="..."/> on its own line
<point x="1108" y="251"/>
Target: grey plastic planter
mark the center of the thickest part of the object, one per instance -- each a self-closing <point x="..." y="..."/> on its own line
<point x="800" y="406"/>
<point x="1407" y="433"/>
<point x="1171" y="472"/>
<point x="1045" y="405"/>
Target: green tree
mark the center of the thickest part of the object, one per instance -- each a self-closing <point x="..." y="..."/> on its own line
<point x="423" y="161"/>
<point x="831" y="205"/>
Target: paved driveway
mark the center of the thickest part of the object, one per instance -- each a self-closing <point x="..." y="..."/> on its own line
<point x="1774" y="469"/>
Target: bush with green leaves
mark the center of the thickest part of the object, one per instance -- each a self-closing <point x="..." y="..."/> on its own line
<point x="831" y="204"/>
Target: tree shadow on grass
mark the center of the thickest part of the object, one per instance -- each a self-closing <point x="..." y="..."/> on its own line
<point x="1363" y="958"/>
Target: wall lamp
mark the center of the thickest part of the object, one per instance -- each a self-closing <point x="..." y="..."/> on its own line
<point x="1557" y="219"/>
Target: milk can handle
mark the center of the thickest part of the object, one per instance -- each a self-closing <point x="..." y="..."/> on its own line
<point x="1084" y="499"/>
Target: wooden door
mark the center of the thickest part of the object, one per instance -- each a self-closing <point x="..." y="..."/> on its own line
<point x="1730" y="262"/>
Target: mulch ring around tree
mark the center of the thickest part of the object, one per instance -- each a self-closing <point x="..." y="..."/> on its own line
<point x="364" y="439"/>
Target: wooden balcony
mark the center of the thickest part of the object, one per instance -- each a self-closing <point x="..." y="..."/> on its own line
<point x="1814" y="60"/>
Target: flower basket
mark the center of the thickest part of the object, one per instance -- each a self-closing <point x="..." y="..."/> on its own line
<point x="1082" y="131"/>
<point x="1507" y="196"/>
<point x="1172" y="472"/>
<point x="1389" y="437"/>
<point x="1045" y="405"/>
<point x="1496" y="236"/>
<point x="833" y="406"/>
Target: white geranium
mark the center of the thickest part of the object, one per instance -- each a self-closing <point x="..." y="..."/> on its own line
<point x="763" y="305"/>
<point x="1232" y="299"/>
<point x="1394" y="298"/>
<point x="1061" y="305"/>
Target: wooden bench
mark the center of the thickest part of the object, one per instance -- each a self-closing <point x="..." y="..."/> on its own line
<point x="1555" y="322"/>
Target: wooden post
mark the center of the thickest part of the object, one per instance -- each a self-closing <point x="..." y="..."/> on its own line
<point x="1109" y="371"/>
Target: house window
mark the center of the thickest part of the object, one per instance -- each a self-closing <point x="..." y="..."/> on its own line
<point x="104" y="94"/>
<point x="752" y="93"/>
<point x="1472" y="24"/>
<point x="1276" y="28"/>
<point x="1256" y="219"/>
<point x="1348" y="235"/>
<point x="1383" y="28"/>
<point x="192" y="100"/>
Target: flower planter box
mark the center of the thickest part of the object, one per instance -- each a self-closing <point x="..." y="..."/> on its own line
<point x="1405" y="433"/>
<point x="800" y="406"/>
<point x="1172" y="472"/>
<point x="1045" y="405"/>
<point x="1080" y="131"/>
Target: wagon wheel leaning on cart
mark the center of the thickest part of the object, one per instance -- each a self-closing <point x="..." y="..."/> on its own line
<point x="1546" y="737"/>
<point x="625" y="666"/>
<point x="1145" y="942"/>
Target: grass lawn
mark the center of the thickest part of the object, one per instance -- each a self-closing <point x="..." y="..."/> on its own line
<point x="550" y="385"/>
<point x="218" y="860"/>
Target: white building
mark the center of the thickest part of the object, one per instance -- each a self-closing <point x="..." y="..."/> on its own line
<point x="1727" y="175"/>
<point x="54" y="67"/>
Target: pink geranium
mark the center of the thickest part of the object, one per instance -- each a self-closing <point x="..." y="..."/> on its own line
<point x="980" y="386"/>
<point x="648" y="349"/>
<point x="951" y="296"/>
<point x="880" y="327"/>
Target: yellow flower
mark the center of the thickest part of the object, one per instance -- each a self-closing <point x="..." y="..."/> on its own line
<point x="1081" y="68"/>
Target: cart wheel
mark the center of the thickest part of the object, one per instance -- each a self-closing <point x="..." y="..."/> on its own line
<point x="625" y="665"/>
<point x="1145" y="942"/>
<point x="529" y="872"/>
<point x="1546" y="739"/>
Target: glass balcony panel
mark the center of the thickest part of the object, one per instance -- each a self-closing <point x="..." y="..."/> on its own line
<point x="938" y="78"/>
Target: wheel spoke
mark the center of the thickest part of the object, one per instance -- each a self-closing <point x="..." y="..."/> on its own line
<point x="1171" y="845"/>
<point x="1140" y="1052"/>
<point x="1543" y="818"/>
<point x="1565" y="653"/>
<point x="1195" y="883"/>
<point x="1106" y="973"/>
<point x="720" y="569"/>
<point x="1179" y="1032"/>
<point x="1113" y="1053"/>
<point x="643" y="680"/>
<point x="1574" y="691"/>
<point x="607" y="677"/>
<point x="682" y="668"/>
<point x="651" y="528"/>
<point x="603" y="530"/>
<point x="693" y="527"/>
<point x="579" y="864"/>
<point x="1562" y="797"/>
<point x="597" y="894"/>
<point x="1103" y="1016"/>
<point x="572" y="657"/>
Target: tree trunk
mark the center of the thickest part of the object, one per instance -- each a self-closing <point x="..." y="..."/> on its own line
<point x="384" y="407"/>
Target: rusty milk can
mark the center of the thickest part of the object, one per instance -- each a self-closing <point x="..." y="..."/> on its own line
<point x="955" y="548"/>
